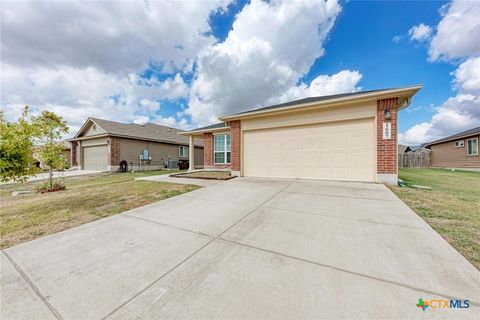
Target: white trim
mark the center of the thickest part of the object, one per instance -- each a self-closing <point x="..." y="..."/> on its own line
<point x="468" y="147"/>
<point x="410" y="91"/>
<point x="180" y="153"/>
<point x="200" y="132"/>
<point x="459" y="141"/>
<point x="225" y="151"/>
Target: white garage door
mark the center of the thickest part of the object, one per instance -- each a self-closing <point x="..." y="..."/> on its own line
<point x="333" y="151"/>
<point x="95" y="158"/>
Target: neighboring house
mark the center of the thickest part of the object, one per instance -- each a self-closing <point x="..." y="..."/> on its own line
<point x="403" y="148"/>
<point x="456" y="151"/>
<point x="102" y="144"/>
<point x="349" y="136"/>
<point x="65" y="153"/>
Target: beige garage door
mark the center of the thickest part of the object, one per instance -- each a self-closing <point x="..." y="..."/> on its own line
<point x="332" y="151"/>
<point x="95" y="158"/>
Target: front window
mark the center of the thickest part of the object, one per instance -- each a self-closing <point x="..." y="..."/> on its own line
<point x="472" y="147"/>
<point x="221" y="148"/>
<point x="183" y="152"/>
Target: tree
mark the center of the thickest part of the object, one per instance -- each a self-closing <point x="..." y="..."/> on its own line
<point x="50" y="130"/>
<point x="16" y="148"/>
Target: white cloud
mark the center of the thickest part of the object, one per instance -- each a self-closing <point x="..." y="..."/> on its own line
<point x="342" y="82"/>
<point x="141" y="120"/>
<point x="458" y="31"/>
<point x="173" y="123"/>
<point x="457" y="114"/>
<point x="77" y="94"/>
<point x="467" y="76"/>
<point x="83" y="59"/>
<point x="421" y="32"/>
<point x="397" y="39"/>
<point x="122" y="36"/>
<point x="455" y="40"/>
<point x="271" y="45"/>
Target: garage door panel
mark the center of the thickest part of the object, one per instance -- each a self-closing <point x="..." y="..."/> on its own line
<point x="334" y="151"/>
<point x="95" y="158"/>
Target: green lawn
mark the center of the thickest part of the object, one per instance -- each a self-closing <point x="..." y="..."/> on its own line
<point x="86" y="199"/>
<point x="451" y="207"/>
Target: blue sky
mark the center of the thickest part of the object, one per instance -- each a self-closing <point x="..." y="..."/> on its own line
<point x="184" y="64"/>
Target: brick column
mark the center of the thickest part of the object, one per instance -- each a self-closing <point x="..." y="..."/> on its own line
<point x="114" y="151"/>
<point x="387" y="148"/>
<point x="235" y="156"/>
<point x="207" y="150"/>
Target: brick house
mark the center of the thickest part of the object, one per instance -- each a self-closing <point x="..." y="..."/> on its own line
<point x="102" y="144"/>
<point x="456" y="151"/>
<point x="350" y="137"/>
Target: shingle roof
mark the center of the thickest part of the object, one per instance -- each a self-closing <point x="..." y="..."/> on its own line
<point x="313" y="99"/>
<point x="149" y="131"/>
<point x="465" y="133"/>
<point x="403" y="148"/>
<point x="212" y="126"/>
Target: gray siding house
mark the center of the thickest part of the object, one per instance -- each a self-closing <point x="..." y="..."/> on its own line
<point x="102" y="144"/>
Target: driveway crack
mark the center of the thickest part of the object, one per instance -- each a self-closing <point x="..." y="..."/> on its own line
<point x="33" y="286"/>
<point x="194" y="253"/>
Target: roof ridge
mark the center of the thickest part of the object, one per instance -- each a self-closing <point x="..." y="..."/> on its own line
<point x="133" y="123"/>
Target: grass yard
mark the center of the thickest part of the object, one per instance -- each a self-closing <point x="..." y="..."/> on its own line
<point x="86" y="199"/>
<point x="451" y="207"/>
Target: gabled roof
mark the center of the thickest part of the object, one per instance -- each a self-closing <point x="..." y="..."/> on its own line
<point x="404" y="93"/>
<point x="403" y="148"/>
<point x="313" y="99"/>
<point x="464" y="134"/>
<point x="217" y="127"/>
<point x="149" y="131"/>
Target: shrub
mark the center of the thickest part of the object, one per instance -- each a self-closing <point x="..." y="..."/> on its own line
<point x="46" y="187"/>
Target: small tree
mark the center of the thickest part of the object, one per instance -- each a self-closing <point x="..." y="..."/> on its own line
<point x="16" y="148"/>
<point x="50" y="130"/>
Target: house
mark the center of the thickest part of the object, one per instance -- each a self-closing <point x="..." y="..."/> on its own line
<point x="66" y="149"/>
<point x="102" y="144"/>
<point x="456" y="151"/>
<point x="403" y="148"/>
<point x="350" y="136"/>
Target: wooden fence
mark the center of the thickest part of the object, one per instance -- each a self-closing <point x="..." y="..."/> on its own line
<point x="419" y="159"/>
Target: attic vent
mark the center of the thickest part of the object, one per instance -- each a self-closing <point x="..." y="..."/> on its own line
<point x="94" y="127"/>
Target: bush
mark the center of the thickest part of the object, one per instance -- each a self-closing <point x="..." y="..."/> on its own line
<point x="45" y="187"/>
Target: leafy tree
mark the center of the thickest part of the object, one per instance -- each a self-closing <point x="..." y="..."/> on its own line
<point x="16" y="148"/>
<point x="50" y="130"/>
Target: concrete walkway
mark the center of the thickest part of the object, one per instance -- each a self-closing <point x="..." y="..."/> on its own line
<point x="59" y="174"/>
<point x="244" y="249"/>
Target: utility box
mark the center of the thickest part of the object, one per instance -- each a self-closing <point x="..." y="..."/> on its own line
<point x="172" y="164"/>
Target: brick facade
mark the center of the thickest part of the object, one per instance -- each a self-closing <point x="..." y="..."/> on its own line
<point x="235" y="134"/>
<point x="387" y="148"/>
<point x="114" y="159"/>
<point x="208" y="161"/>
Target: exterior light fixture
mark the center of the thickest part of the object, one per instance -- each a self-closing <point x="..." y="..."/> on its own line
<point x="387" y="114"/>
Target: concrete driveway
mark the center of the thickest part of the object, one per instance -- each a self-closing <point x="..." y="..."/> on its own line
<point x="244" y="249"/>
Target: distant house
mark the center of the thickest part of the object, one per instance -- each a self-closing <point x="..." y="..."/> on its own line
<point x="456" y="151"/>
<point x="403" y="148"/>
<point x="65" y="154"/>
<point x="103" y="144"/>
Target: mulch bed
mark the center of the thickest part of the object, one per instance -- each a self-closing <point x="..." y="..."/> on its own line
<point x="190" y="175"/>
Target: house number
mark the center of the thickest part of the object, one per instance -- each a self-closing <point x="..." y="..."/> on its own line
<point x="387" y="130"/>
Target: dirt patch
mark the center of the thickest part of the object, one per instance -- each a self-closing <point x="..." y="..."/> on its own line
<point x="208" y="175"/>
